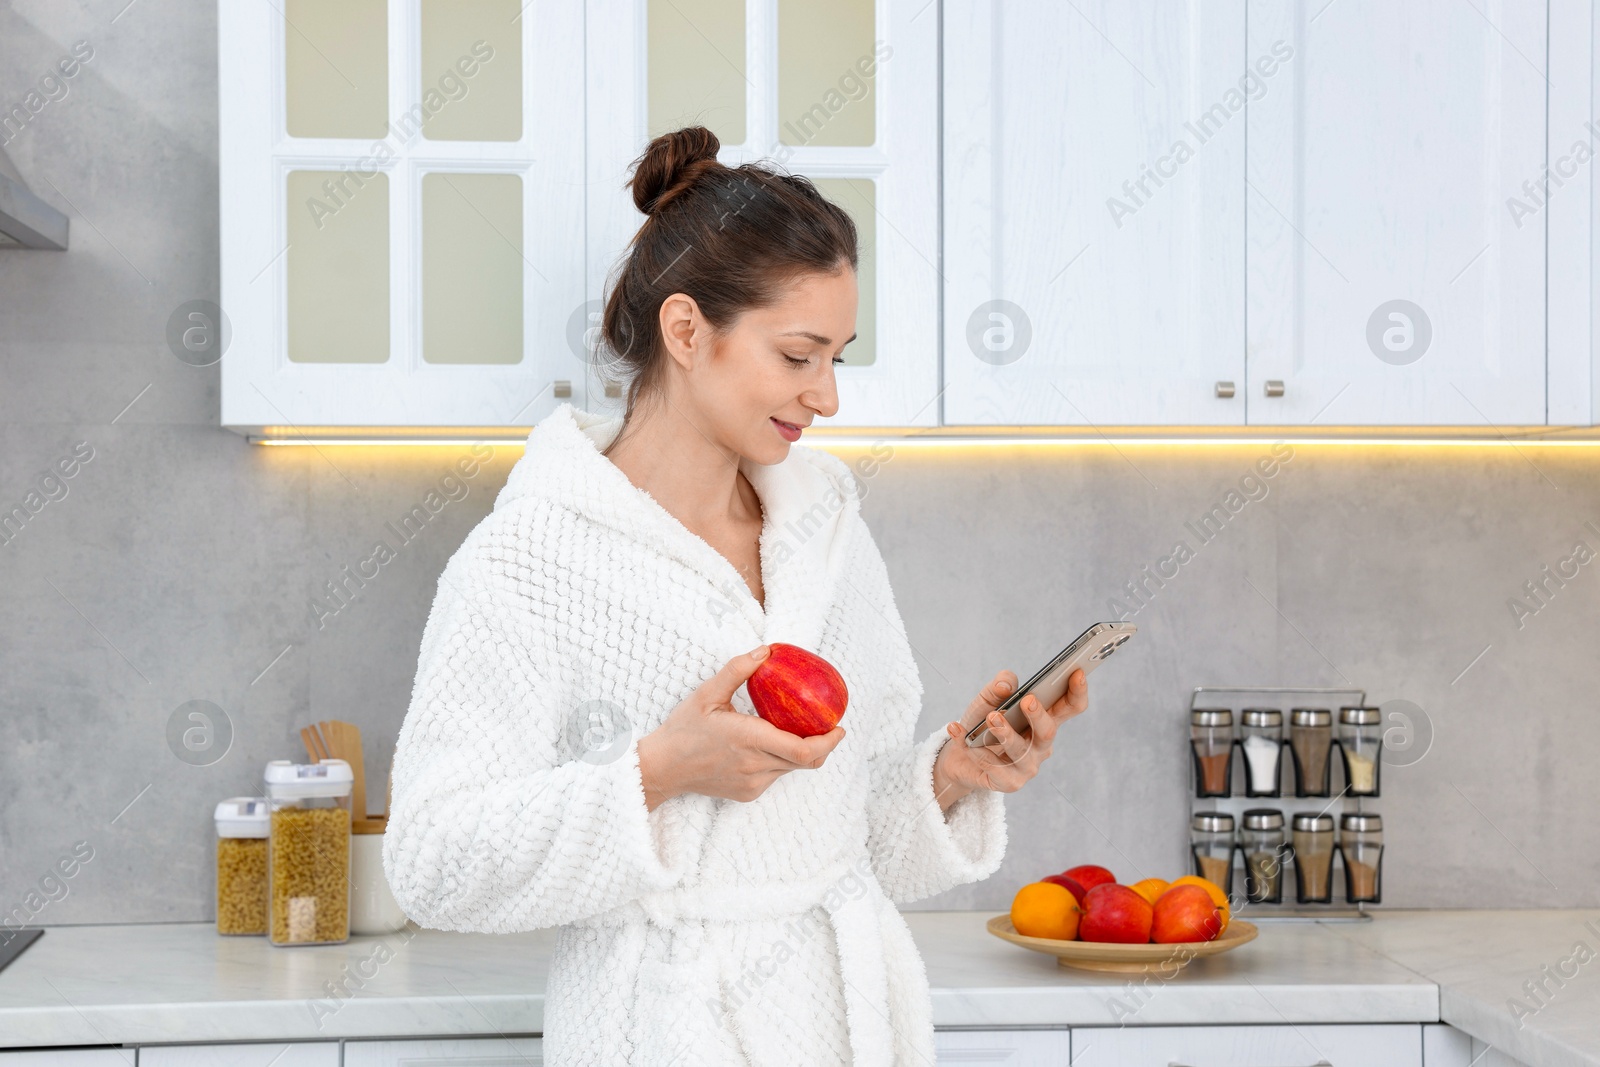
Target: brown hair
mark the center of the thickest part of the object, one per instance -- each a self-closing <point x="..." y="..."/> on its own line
<point x="732" y="238"/>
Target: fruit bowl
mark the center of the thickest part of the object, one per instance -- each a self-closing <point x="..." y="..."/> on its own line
<point x="1125" y="959"/>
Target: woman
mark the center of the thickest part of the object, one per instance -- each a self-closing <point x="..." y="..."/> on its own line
<point x="579" y="751"/>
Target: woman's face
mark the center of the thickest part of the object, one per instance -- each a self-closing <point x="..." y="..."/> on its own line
<point x="774" y="364"/>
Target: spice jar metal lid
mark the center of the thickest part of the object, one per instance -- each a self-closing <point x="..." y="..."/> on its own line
<point x="1310" y="717"/>
<point x="1212" y="822"/>
<point x="1361" y="822"/>
<point x="1311" y="822"/>
<point x="1358" y="716"/>
<point x="1211" y="717"/>
<point x="1263" y="717"/>
<point x="1263" y="819"/>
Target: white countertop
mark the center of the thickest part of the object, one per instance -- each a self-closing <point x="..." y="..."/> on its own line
<point x="172" y="982"/>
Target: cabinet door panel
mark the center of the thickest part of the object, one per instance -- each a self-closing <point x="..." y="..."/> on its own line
<point x="1249" y="1046"/>
<point x="1395" y="259"/>
<point x="1094" y="216"/>
<point x="456" y="1052"/>
<point x="310" y="1054"/>
<point x="1010" y="1048"/>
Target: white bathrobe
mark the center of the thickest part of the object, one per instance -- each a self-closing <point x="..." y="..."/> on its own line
<point x="570" y="622"/>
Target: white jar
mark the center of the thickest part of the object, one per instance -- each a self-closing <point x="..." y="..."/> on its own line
<point x="373" y="909"/>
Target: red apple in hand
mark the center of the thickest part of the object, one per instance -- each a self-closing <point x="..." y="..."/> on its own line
<point x="1116" y="914"/>
<point x="1090" y="876"/>
<point x="798" y="691"/>
<point x="1071" y="885"/>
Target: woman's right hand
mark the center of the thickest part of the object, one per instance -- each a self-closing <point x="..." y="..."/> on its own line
<point x="706" y="746"/>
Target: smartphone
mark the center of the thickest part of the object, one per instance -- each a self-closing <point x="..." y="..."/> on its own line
<point x="1091" y="649"/>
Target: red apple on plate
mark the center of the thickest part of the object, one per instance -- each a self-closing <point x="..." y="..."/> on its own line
<point x="1185" y="913"/>
<point x="1072" y="885"/>
<point x="798" y="691"/>
<point x="1090" y="876"/>
<point x="1114" y="913"/>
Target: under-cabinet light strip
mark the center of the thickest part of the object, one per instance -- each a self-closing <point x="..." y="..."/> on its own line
<point x="825" y="441"/>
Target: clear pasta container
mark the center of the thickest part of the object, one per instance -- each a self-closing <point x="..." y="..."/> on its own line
<point x="1361" y="747"/>
<point x="308" y="854"/>
<point x="1261" y="733"/>
<point x="241" y="866"/>
<point x="1265" y="853"/>
<point x="1211" y="842"/>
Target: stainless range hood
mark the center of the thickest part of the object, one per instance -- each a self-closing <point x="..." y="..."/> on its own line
<point x="25" y="220"/>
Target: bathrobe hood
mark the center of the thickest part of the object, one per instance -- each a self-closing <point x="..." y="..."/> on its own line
<point x="809" y="500"/>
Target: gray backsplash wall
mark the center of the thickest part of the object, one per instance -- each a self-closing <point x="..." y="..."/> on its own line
<point x="181" y="565"/>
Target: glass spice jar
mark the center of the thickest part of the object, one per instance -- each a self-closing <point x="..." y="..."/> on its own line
<point x="1211" y="842"/>
<point x="1211" y="742"/>
<point x="1361" y="848"/>
<point x="1262" y="841"/>
<point x="241" y="866"/>
<point x="1261" y="732"/>
<point x="308" y="853"/>
<point x="1311" y="744"/>
<point x="1313" y="858"/>
<point x="1361" y="747"/>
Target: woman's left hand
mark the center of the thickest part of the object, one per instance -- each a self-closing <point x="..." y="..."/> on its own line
<point x="1013" y="758"/>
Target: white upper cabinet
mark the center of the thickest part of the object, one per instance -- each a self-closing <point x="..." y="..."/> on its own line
<point x="845" y="92"/>
<point x="1094" y="211"/>
<point x="1396" y="258"/>
<point x="401" y="211"/>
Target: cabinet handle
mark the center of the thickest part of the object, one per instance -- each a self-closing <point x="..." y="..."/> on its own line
<point x="613" y="389"/>
<point x="1274" y="387"/>
<point x="563" y="388"/>
<point x="1224" y="390"/>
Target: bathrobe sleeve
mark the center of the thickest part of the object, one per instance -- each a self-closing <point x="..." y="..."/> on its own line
<point x="917" y="850"/>
<point x="491" y="830"/>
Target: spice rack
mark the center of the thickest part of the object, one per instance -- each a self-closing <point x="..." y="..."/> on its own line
<point x="1338" y="801"/>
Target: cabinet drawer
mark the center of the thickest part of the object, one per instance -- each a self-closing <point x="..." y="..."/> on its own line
<point x="1397" y="1045"/>
<point x="267" y="1054"/>
<point x="1011" y="1048"/>
<point x="78" y="1057"/>
<point x="454" y="1052"/>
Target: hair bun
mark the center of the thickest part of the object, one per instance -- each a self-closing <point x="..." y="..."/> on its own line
<point x="670" y="165"/>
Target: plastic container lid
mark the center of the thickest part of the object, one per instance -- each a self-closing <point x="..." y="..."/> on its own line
<point x="242" y="817"/>
<point x="290" y="781"/>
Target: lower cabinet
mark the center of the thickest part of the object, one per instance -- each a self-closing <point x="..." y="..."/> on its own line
<point x="450" y="1052"/>
<point x="85" y="1057"/>
<point x="1013" y="1048"/>
<point x="1398" y="1045"/>
<point x="266" y="1054"/>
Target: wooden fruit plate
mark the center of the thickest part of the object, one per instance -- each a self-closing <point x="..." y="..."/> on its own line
<point x="1125" y="959"/>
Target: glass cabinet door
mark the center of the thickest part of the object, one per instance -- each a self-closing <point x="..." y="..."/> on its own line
<point x="402" y="213"/>
<point x="815" y="88"/>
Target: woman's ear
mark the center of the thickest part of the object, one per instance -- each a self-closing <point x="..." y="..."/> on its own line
<point x="683" y="329"/>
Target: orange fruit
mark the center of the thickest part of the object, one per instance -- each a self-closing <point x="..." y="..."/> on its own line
<point x="1150" y="888"/>
<point x="1044" y="909"/>
<point x="1218" y="897"/>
